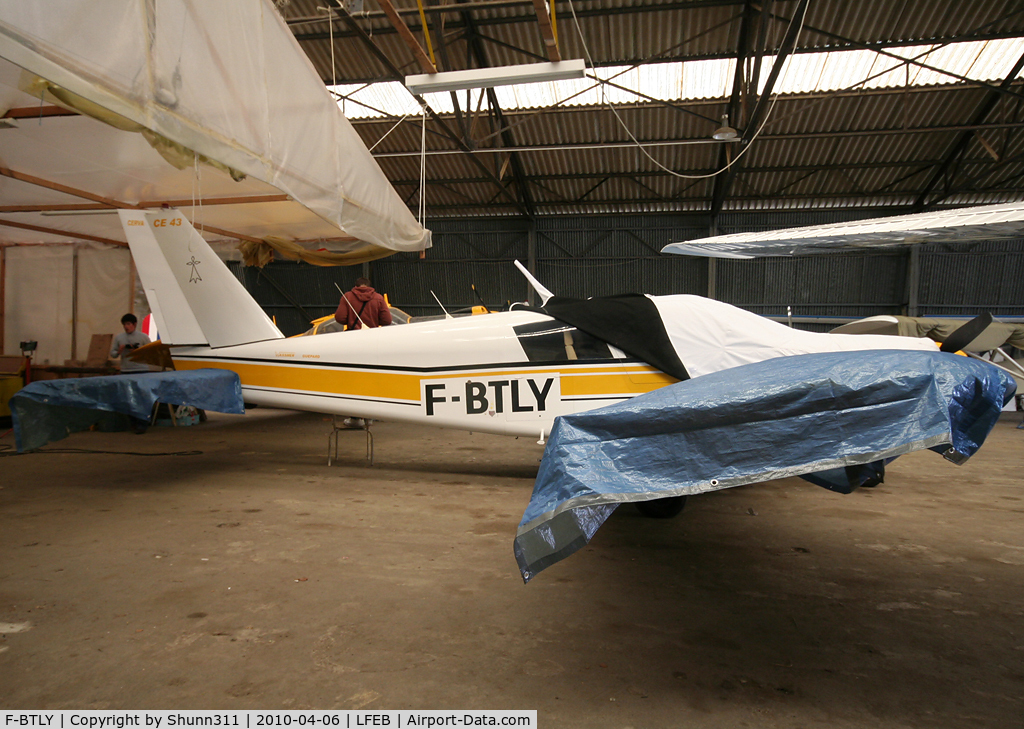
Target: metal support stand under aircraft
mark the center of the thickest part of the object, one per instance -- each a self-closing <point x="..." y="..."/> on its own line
<point x="332" y="439"/>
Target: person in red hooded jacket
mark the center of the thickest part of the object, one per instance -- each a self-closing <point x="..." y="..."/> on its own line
<point x="362" y="305"/>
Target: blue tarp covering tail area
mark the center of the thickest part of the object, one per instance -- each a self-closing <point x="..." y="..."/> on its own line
<point x="53" y="409"/>
<point x="782" y="417"/>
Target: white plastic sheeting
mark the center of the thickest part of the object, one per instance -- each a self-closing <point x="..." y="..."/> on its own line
<point x="103" y="293"/>
<point x="709" y="336"/>
<point x="38" y="301"/>
<point x="225" y="79"/>
<point x="52" y="291"/>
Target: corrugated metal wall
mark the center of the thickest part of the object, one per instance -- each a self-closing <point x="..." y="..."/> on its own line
<point x="971" y="279"/>
<point x="294" y="294"/>
<point x="603" y="255"/>
<point x="466" y="253"/>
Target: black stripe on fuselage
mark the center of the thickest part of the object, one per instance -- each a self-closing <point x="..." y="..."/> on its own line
<point x="398" y="368"/>
<point x="304" y="393"/>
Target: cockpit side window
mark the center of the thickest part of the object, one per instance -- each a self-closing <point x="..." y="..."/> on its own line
<point x="553" y="341"/>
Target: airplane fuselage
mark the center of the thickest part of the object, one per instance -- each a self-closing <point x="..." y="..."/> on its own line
<point x="509" y="373"/>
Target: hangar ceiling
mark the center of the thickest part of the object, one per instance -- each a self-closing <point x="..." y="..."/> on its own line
<point x="903" y="106"/>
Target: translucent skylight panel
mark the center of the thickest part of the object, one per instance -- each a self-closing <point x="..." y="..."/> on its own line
<point x="951" y="58"/>
<point x="712" y="79"/>
<point x="886" y="71"/>
<point x="369" y="100"/>
<point x="846" y="70"/>
<point x="995" y="59"/>
<point x="706" y="79"/>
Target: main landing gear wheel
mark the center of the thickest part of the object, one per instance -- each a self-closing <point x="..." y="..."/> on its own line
<point x="661" y="508"/>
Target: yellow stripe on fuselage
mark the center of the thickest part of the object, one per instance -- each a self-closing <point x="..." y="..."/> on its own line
<point x="614" y="383"/>
<point x="335" y="381"/>
<point x="575" y="381"/>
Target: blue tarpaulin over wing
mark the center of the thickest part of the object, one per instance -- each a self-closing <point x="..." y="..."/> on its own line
<point x="783" y="417"/>
<point x="52" y="409"/>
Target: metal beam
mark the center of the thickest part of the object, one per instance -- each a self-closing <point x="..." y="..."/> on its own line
<point x="507" y="19"/>
<point x="633" y="174"/>
<point x="897" y="202"/>
<point x="960" y="146"/>
<point x="743" y="48"/>
<point x="913" y="278"/>
<point x="496" y="4"/>
<point x="724" y="181"/>
<point x="397" y="74"/>
<point x="480" y="56"/>
<point x="437" y="19"/>
<point x="683" y="142"/>
<point x="877" y="48"/>
<point x="509" y="46"/>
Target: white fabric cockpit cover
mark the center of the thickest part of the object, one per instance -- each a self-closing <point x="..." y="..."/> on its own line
<point x="225" y="79"/>
<point x="710" y="335"/>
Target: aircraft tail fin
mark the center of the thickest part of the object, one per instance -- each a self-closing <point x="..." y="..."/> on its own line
<point x="194" y="297"/>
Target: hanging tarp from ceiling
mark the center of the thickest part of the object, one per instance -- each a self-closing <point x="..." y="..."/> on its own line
<point x="225" y="80"/>
<point x="782" y="417"/>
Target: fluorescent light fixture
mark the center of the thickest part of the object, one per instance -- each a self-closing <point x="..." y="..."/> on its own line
<point x="476" y="78"/>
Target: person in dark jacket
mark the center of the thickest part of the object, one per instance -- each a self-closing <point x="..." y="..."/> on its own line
<point x="362" y="306"/>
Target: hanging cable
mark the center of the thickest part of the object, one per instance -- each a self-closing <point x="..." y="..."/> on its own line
<point x="388" y="132"/>
<point x="604" y="100"/>
<point x="423" y="166"/>
<point x="330" y="30"/>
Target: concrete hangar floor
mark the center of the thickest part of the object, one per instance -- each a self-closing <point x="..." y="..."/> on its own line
<point x="253" y="575"/>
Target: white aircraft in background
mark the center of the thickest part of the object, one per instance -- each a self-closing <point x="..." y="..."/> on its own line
<point x="508" y="373"/>
<point x="514" y="372"/>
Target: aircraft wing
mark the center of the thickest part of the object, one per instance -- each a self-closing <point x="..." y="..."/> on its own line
<point x="104" y="110"/>
<point x="782" y="417"/>
<point x="965" y="224"/>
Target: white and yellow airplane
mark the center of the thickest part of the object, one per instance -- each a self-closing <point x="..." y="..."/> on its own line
<point x="508" y="373"/>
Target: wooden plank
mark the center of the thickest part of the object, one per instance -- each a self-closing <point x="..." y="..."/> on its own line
<point x="38" y="112"/>
<point x="547" y="32"/>
<point x="63" y="233"/>
<point x="147" y="204"/>
<point x="40" y="182"/>
<point x="99" y="350"/>
<point x="410" y="40"/>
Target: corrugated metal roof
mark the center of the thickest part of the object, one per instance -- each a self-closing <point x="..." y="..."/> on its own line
<point x="850" y="128"/>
